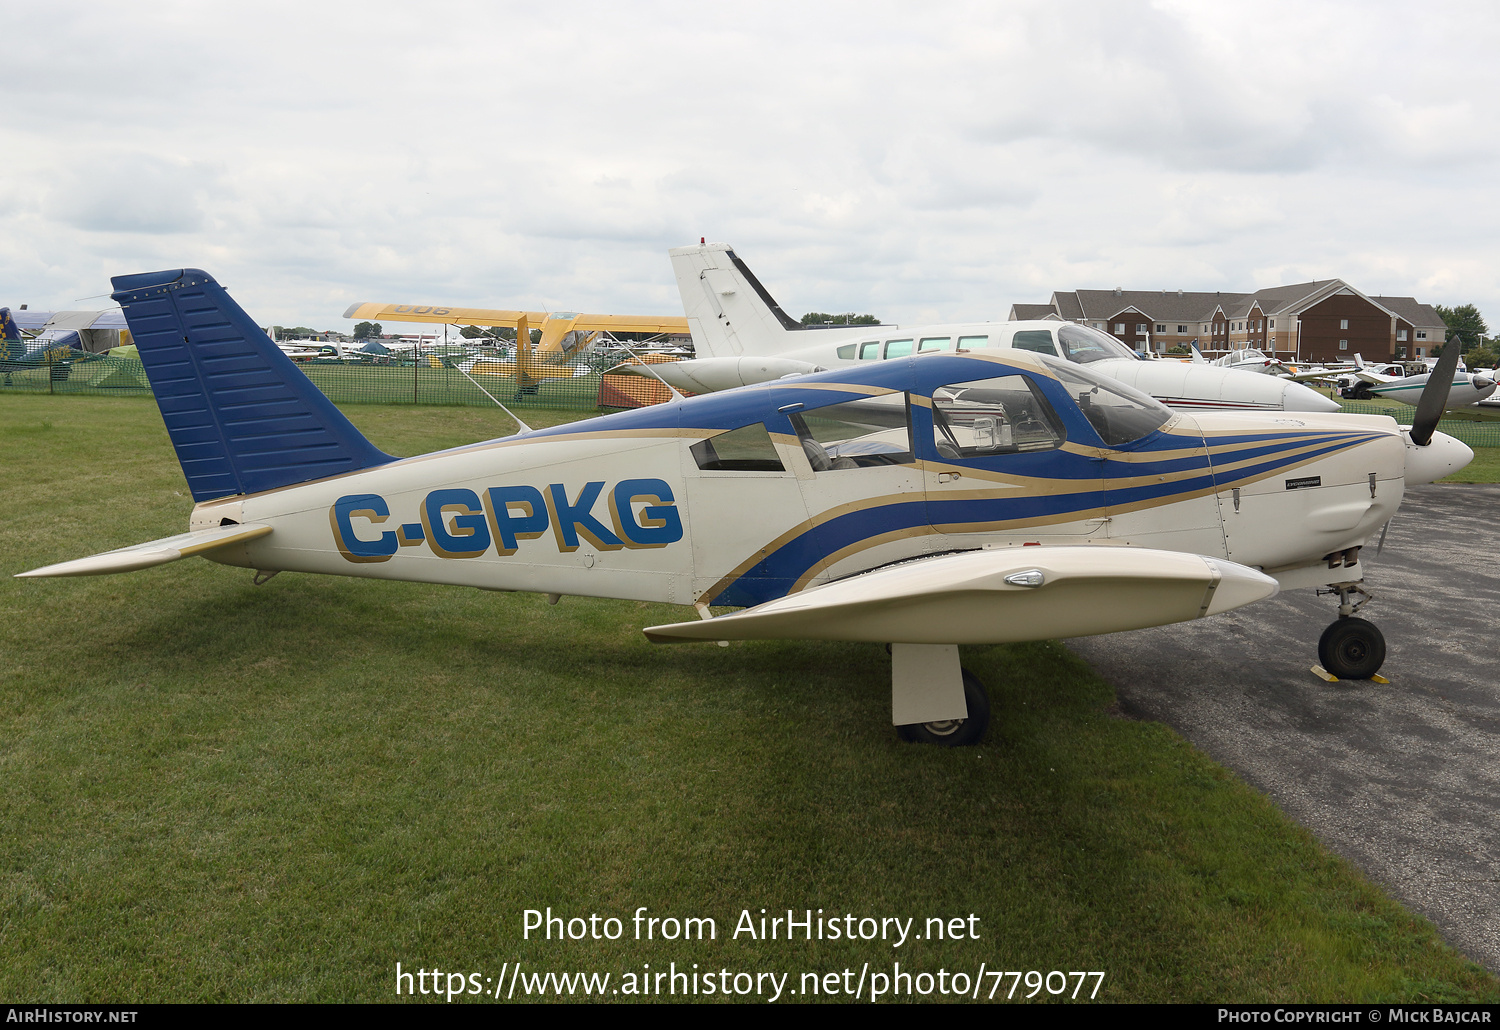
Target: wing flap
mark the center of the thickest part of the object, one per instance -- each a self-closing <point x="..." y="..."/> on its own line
<point x="154" y="552"/>
<point x="996" y="596"/>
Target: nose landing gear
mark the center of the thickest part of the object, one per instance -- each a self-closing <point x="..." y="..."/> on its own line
<point x="1350" y="648"/>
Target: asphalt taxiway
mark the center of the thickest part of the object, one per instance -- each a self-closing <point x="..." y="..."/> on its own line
<point x="1402" y="779"/>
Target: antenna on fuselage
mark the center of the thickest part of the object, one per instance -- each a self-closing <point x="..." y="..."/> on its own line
<point x="524" y="427"/>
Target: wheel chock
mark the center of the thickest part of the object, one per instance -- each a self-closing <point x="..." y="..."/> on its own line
<point x="1325" y="675"/>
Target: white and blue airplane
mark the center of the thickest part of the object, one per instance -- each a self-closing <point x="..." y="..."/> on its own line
<point x="924" y="502"/>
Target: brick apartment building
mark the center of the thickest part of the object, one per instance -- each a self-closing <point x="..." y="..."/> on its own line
<point x="1319" y="321"/>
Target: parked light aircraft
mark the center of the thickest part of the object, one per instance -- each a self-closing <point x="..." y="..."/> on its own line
<point x="28" y="335"/>
<point x="939" y="499"/>
<point x="1394" y="382"/>
<point x="741" y="335"/>
<point x="562" y="331"/>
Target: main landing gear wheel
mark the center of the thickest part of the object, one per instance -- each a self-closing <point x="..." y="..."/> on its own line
<point x="954" y="732"/>
<point x="1352" y="649"/>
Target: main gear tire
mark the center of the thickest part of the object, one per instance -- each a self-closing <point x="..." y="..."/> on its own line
<point x="1352" y="649"/>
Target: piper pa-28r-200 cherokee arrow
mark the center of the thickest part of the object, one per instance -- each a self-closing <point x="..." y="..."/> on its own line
<point x="941" y="499"/>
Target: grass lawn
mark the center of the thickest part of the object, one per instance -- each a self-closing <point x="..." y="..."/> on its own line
<point x="216" y="791"/>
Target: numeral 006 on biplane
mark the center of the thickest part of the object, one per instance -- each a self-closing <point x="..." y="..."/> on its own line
<point x="937" y="500"/>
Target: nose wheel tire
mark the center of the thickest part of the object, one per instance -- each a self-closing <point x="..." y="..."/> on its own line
<point x="1352" y="649"/>
<point x="954" y="732"/>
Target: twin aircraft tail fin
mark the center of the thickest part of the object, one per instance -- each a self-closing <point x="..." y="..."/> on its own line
<point x="729" y="312"/>
<point x="242" y="417"/>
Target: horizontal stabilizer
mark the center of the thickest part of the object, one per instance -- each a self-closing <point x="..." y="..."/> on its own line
<point x="996" y="596"/>
<point x="155" y="552"/>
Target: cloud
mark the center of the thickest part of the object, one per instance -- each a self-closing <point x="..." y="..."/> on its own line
<point x="860" y="156"/>
<point x="130" y="193"/>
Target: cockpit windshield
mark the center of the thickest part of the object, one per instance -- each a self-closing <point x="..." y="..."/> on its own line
<point x="1082" y="344"/>
<point x="1120" y="414"/>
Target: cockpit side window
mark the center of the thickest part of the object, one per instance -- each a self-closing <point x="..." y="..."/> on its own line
<point x="746" y="449"/>
<point x="1002" y="415"/>
<point x="856" y="434"/>
<point x="1081" y="345"/>
<point x="1038" y="340"/>
<point x="1119" y="414"/>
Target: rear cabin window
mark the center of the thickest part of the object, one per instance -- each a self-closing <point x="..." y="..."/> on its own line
<point x="856" y="434"/>
<point x="1038" y="340"/>
<point x="897" y="349"/>
<point x="935" y="343"/>
<point x="869" y="351"/>
<point x="846" y="352"/>
<point x="973" y="342"/>
<point x="746" y="449"/>
<point x="1003" y="415"/>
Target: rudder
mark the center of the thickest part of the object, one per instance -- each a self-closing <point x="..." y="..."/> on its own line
<point x="242" y="417"/>
<point x="729" y="312"/>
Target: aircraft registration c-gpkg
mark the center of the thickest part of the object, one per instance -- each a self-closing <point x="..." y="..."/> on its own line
<point x="942" y="499"/>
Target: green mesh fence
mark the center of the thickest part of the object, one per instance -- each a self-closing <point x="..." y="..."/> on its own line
<point x="428" y="381"/>
<point x="1472" y="428"/>
<point x="578" y="385"/>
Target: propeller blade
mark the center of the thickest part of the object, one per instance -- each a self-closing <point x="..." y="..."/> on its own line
<point x="1434" y="397"/>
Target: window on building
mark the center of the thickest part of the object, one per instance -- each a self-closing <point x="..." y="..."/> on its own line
<point x="1162" y="329"/>
<point x="1401" y="334"/>
<point x="1273" y="323"/>
<point x="1182" y="330"/>
<point x="1421" y="334"/>
<point x="1142" y="329"/>
<point x="1343" y="323"/>
<point x="1119" y="327"/>
<point x="1343" y="345"/>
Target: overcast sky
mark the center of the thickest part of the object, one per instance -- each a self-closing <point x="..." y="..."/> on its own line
<point x="921" y="162"/>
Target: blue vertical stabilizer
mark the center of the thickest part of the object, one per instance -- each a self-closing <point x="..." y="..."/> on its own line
<point x="241" y="415"/>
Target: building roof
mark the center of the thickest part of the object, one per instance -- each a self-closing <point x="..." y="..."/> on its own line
<point x="1415" y="312"/>
<point x="1184" y="306"/>
<point x="1023" y="312"/>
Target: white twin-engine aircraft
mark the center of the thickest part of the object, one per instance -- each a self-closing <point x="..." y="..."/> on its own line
<point x="742" y="336"/>
<point x="924" y="502"/>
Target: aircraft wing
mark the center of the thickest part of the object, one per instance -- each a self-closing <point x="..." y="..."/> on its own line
<point x="156" y="552"/>
<point x="375" y="312"/>
<point x="1001" y="595"/>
